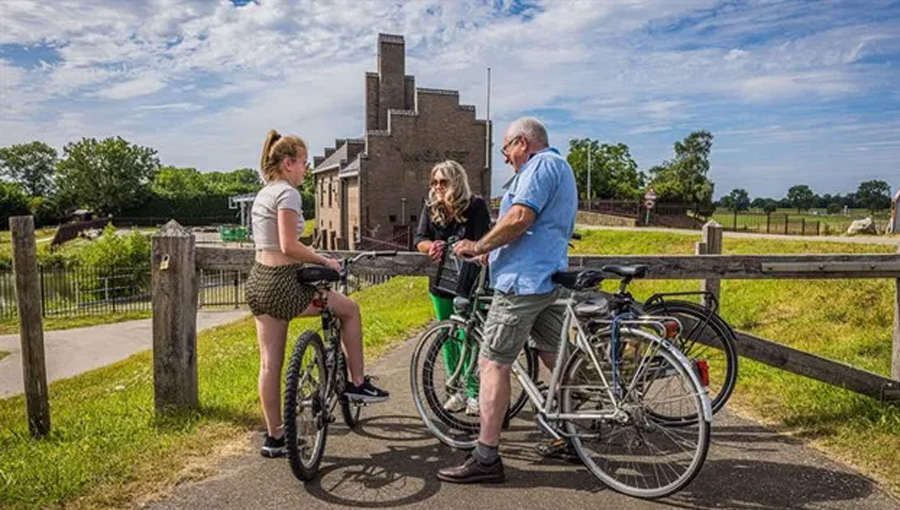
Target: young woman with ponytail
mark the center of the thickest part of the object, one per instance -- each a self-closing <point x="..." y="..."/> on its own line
<point x="274" y="293"/>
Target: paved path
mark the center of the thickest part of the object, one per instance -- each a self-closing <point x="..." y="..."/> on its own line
<point x="895" y="240"/>
<point x="390" y="461"/>
<point x="69" y="352"/>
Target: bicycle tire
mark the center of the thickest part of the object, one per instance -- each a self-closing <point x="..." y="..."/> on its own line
<point x="623" y="466"/>
<point x="447" y="427"/>
<point x="721" y="335"/>
<point x="305" y="460"/>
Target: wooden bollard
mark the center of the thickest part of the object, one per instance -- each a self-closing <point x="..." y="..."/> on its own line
<point x="895" y="351"/>
<point x="31" y="325"/>
<point x="712" y="241"/>
<point x="173" y="279"/>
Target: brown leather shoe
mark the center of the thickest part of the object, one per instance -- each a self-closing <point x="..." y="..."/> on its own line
<point x="472" y="471"/>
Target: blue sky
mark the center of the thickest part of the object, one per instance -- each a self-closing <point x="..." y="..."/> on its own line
<point x="794" y="92"/>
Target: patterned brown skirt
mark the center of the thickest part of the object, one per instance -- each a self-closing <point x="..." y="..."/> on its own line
<point x="275" y="291"/>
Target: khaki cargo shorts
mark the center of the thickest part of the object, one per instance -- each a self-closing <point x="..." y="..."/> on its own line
<point x="512" y="317"/>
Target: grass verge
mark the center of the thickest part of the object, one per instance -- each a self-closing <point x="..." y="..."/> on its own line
<point x="10" y="326"/>
<point x="108" y="449"/>
<point x="4" y="354"/>
<point x="845" y="320"/>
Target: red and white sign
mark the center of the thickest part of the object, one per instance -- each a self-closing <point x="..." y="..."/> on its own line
<point x="650" y="198"/>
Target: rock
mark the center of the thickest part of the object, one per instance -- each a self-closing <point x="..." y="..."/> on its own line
<point x="863" y="226"/>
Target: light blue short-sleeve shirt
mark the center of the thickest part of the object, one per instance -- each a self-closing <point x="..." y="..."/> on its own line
<point x="546" y="184"/>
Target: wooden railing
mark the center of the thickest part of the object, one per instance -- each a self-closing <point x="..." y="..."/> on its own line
<point x="710" y="267"/>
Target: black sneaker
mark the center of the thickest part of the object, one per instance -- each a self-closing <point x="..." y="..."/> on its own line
<point x="272" y="447"/>
<point x="366" y="393"/>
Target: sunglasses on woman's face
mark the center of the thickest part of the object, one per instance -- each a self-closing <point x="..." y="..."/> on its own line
<point x="439" y="182"/>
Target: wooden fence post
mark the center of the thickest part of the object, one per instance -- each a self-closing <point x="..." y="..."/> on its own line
<point x="174" y="288"/>
<point x="31" y="326"/>
<point x="895" y="355"/>
<point x="712" y="239"/>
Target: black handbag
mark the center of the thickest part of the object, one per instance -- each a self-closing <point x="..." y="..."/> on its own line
<point x="455" y="276"/>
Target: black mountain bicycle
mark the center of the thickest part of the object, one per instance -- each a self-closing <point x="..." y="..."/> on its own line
<point x="317" y="375"/>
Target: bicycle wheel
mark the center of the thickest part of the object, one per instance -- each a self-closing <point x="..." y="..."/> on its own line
<point x="434" y="383"/>
<point x="705" y="336"/>
<point x="305" y="406"/>
<point x="350" y="410"/>
<point x="629" y="450"/>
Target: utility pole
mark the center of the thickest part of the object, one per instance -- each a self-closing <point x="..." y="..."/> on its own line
<point x="488" y="146"/>
<point x="590" y="150"/>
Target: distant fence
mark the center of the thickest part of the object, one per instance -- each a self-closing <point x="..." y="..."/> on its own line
<point x="80" y="291"/>
<point x="791" y="224"/>
<point x="693" y="216"/>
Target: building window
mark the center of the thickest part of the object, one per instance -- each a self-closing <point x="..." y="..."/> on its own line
<point x="321" y="192"/>
<point x="330" y="192"/>
<point x="392" y="218"/>
<point x="412" y="219"/>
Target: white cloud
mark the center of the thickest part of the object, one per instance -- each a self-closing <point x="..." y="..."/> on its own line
<point x="132" y="88"/>
<point x="644" y="70"/>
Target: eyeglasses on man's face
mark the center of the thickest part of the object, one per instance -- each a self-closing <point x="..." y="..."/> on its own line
<point x="505" y="148"/>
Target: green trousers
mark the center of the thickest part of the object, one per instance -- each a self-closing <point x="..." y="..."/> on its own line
<point x="443" y="308"/>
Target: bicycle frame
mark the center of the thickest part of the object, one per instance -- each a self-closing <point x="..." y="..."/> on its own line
<point x="630" y="322"/>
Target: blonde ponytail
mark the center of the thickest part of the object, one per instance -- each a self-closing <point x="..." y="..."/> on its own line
<point x="275" y="149"/>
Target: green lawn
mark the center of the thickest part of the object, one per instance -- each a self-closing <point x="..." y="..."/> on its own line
<point x="845" y="320"/>
<point x="107" y="447"/>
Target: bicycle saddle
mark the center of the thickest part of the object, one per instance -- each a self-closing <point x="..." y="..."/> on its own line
<point x="318" y="274"/>
<point x="578" y="280"/>
<point x="626" y="271"/>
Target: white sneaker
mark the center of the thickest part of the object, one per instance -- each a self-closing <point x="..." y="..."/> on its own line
<point x="456" y="403"/>
<point x="472" y="407"/>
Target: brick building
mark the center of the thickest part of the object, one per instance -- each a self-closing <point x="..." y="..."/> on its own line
<point x="373" y="188"/>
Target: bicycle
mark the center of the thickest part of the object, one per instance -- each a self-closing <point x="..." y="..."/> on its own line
<point x="317" y="375"/>
<point x="619" y="393"/>
<point x="427" y="367"/>
<point x="706" y="339"/>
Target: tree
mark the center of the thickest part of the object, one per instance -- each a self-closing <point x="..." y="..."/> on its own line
<point x="614" y="173"/>
<point x="31" y="165"/>
<point x="834" y="208"/>
<point x="175" y="182"/>
<point x="740" y="200"/>
<point x="105" y="176"/>
<point x="683" y="179"/>
<point x="770" y="205"/>
<point x="237" y="182"/>
<point x="758" y="203"/>
<point x="801" y="197"/>
<point x="308" y="194"/>
<point x="874" y="195"/>
<point x="13" y="201"/>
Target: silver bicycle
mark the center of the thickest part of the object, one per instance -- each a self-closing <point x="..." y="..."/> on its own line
<point x="618" y="391"/>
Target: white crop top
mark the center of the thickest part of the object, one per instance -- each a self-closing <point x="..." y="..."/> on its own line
<point x="277" y="194"/>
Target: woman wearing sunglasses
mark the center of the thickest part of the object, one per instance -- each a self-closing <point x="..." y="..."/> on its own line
<point x="451" y="211"/>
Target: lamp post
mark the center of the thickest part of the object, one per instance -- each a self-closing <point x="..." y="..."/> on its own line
<point x="590" y="150"/>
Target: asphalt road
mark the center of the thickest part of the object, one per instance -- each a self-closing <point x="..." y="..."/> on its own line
<point x="69" y="352"/>
<point x="390" y="461"/>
